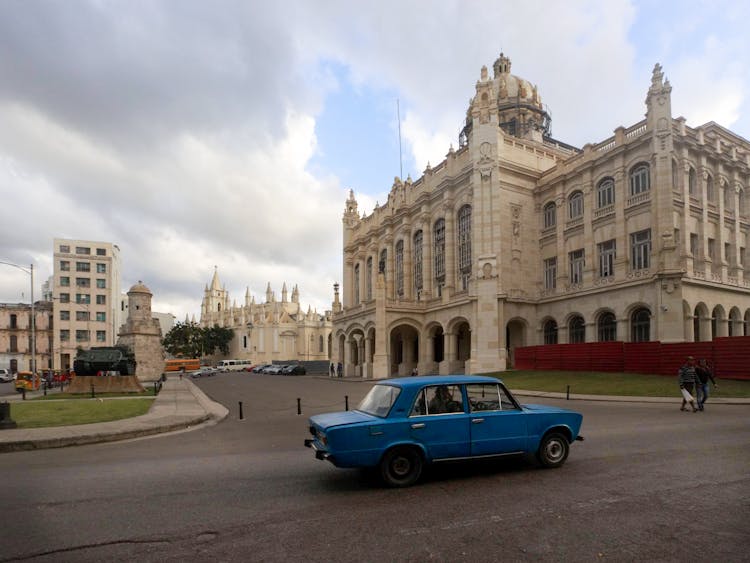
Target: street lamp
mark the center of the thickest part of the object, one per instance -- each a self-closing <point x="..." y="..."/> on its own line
<point x="30" y="271"/>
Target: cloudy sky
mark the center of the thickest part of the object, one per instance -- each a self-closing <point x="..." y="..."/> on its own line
<point x="196" y="134"/>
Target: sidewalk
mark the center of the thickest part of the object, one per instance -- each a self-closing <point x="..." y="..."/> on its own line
<point x="180" y="405"/>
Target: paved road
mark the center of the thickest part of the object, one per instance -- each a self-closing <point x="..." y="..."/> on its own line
<point x="650" y="483"/>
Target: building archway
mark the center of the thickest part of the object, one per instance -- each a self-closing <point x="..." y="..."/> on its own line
<point x="515" y="337"/>
<point x="701" y="323"/>
<point x="404" y="347"/>
<point x="734" y="327"/>
<point x="718" y="322"/>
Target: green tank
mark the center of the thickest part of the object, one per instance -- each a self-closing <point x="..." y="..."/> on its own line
<point x="105" y="358"/>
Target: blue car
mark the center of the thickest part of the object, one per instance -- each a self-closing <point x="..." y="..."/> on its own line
<point x="405" y="423"/>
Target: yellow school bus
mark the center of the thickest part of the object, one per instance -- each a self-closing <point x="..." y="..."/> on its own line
<point x="177" y="364"/>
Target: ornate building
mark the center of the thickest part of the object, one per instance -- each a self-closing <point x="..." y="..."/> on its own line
<point x="264" y="332"/>
<point x="517" y="239"/>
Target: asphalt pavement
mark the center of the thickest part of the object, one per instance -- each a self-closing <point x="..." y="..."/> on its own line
<point x="181" y="405"/>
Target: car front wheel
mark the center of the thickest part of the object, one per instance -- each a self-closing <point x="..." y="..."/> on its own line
<point x="401" y="467"/>
<point x="553" y="451"/>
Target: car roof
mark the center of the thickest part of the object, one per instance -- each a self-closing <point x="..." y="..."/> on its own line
<point x="420" y="380"/>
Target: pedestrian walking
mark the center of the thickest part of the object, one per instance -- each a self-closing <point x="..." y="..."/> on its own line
<point x="414" y="372"/>
<point x="340" y="369"/>
<point x="687" y="377"/>
<point x="182" y="371"/>
<point x="703" y="372"/>
<point x="333" y="369"/>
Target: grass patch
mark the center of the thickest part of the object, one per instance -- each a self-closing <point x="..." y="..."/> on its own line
<point x="43" y="414"/>
<point x="51" y="395"/>
<point x="604" y="383"/>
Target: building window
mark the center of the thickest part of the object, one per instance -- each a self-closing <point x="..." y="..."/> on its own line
<point x="101" y="299"/>
<point x="712" y="249"/>
<point x="65" y="249"/>
<point x="694" y="248"/>
<point x="464" y="245"/>
<point x="101" y="268"/>
<point x="65" y="298"/>
<point x="82" y="315"/>
<point x="550" y="215"/>
<point x="577" y="330"/>
<point x="320" y="344"/>
<point x="439" y="237"/>
<point x="641" y="325"/>
<point x="64" y="266"/>
<point x="83" y="282"/>
<point x="13" y="343"/>
<point x="101" y="251"/>
<point x="741" y="257"/>
<point x="64" y="335"/>
<point x="101" y="317"/>
<point x="82" y="336"/>
<point x="675" y="183"/>
<point x="728" y="197"/>
<point x="400" y="268"/>
<point x="418" y="281"/>
<point x="83" y="267"/>
<point x="550" y="273"/>
<point x="101" y="284"/>
<point x="382" y="261"/>
<point x="368" y="278"/>
<point x="605" y="193"/>
<point x="65" y="281"/>
<point x="607" y="327"/>
<point x="607" y="255"/>
<point x="577" y="261"/>
<point x="640" y="249"/>
<point x="575" y="205"/>
<point x="357" y="281"/>
<point x="83" y="298"/>
<point x="101" y="335"/>
<point x="14" y="321"/>
<point x="710" y="195"/>
<point x="728" y="257"/>
<point x="639" y="179"/>
<point x="64" y="315"/>
<point x="692" y="183"/>
<point x="550" y="332"/>
<point x="83" y="250"/>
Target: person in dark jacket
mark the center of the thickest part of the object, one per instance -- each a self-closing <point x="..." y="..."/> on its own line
<point x="687" y="378"/>
<point x="702" y="374"/>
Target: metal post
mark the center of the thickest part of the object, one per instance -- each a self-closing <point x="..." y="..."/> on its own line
<point x="93" y="394"/>
<point x="299" y="405"/>
<point x="346" y="401"/>
<point x="23" y="393"/>
<point x="567" y="394"/>
<point x="241" y="416"/>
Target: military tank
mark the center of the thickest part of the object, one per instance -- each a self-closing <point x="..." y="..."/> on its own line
<point x="105" y="359"/>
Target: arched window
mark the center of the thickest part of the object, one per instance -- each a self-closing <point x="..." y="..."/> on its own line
<point x="639" y="179"/>
<point x="605" y="193"/>
<point x="607" y="327"/>
<point x="400" y="268"/>
<point x="368" y="279"/>
<point x="728" y="196"/>
<point x="464" y="245"/>
<point x="640" y="323"/>
<point x="550" y="215"/>
<point x="576" y="330"/>
<point x="575" y="205"/>
<point x="418" y="280"/>
<point x="550" y="332"/>
<point x="710" y="195"/>
<point x="356" y="284"/>
<point x="439" y="244"/>
<point x="320" y="344"/>
<point x="692" y="182"/>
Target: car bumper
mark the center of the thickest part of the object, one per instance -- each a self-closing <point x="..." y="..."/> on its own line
<point x="319" y="454"/>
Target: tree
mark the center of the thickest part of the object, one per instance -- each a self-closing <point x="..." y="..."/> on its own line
<point x="192" y="341"/>
<point x="217" y="337"/>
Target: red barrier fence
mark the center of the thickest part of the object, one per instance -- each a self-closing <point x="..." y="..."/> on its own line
<point x="729" y="355"/>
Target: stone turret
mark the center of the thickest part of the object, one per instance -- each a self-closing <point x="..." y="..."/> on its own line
<point x="141" y="333"/>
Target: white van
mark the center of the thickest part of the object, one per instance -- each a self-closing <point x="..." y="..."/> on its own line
<point x="6" y="376"/>
<point x="234" y="365"/>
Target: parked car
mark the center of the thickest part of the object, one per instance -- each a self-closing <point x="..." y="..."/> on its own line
<point x="249" y="368"/>
<point x="406" y="423"/>
<point x="205" y="371"/>
<point x="294" y="370"/>
<point x="274" y="369"/>
<point x="6" y="376"/>
<point x="260" y="367"/>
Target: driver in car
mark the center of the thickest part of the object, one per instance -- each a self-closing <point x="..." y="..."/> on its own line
<point x="439" y="403"/>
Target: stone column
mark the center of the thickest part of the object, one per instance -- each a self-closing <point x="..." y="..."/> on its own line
<point x="450" y="251"/>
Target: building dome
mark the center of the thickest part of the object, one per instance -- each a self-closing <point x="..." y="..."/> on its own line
<point x="514" y="100"/>
<point x="139" y="288"/>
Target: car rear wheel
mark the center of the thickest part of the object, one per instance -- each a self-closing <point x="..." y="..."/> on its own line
<point x="401" y="467"/>
<point x="553" y="451"/>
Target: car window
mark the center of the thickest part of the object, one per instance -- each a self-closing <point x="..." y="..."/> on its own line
<point x="488" y="397"/>
<point x="379" y="400"/>
<point x="438" y="399"/>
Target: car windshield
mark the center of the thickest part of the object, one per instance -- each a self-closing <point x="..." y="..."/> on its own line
<point x="379" y="400"/>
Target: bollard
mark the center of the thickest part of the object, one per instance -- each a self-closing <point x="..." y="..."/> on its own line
<point x="23" y="393"/>
<point x="44" y="385"/>
<point x="241" y="416"/>
<point x="346" y="402"/>
<point x="567" y="394"/>
<point x="299" y="406"/>
<point x="5" y="420"/>
<point x="93" y="393"/>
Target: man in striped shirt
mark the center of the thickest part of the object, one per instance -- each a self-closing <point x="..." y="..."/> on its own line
<point x="687" y="378"/>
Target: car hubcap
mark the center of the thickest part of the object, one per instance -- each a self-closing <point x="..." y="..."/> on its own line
<point x="401" y="466"/>
<point x="554" y="450"/>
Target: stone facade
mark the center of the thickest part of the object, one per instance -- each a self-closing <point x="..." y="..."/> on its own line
<point x="518" y="239"/>
<point x="15" y="336"/>
<point x="142" y="334"/>
<point x="269" y="331"/>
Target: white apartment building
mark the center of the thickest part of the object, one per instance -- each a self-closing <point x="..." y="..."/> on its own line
<point x="86" y="297"/>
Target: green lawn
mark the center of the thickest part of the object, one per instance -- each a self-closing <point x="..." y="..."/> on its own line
<point x="41" y="414"/>
<point x="600" y="383"/>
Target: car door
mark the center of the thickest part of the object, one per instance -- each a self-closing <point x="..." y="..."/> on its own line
<point x="440" y="423"/>
<point x="498" y="425"/>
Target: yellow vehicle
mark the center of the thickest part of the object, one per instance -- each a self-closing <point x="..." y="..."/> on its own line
<point x="192" y="364"/>
<point x="27" y="380"/>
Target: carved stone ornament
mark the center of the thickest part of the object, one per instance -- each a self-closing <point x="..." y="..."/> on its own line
<point x="486" y="173"/>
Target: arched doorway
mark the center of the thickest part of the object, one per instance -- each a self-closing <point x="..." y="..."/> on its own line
<point x="515" y="337"/>
<point x="404" y="347"/>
